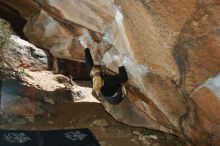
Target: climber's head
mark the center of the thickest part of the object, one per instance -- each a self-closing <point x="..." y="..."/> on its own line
<point x="96" y="70"/>
<point x="97" y="80"/>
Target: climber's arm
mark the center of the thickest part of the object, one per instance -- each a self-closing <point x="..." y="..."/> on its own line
<point x="123" y="77"/>
<point x="112" y="81"/>
<point x="88" y="59"/>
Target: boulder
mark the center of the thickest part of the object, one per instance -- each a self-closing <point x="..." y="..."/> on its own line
<point x="24" y="74"/>
<point x="171" y="55"/>
<point x="206" y="97"/>
<point x="18" y="54"/>
<point x="93" y="15"/>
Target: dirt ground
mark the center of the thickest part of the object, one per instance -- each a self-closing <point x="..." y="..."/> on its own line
<point x="108" y="131"/>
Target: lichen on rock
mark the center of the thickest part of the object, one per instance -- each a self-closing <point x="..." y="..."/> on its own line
<point x="5" y="32"/>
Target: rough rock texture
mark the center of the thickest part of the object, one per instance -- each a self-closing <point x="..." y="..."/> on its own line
<point x="206" y="97"/>
<point x="77" y="70"/>
<point x="24" y="76"/>
<point x="53" y="36"/>
<point x="172" y="56"/>
<point x="17" y="54"/>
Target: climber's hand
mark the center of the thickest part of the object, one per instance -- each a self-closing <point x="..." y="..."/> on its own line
<point x="86" y="40"/>
<point x="120" y="59"/>
<point x="83" y="42"/>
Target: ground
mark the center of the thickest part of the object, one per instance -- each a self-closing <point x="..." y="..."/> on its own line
<point x="107" y="130"/>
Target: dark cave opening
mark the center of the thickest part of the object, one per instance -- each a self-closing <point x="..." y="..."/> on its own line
<point x="14" y="18"/>
<point x="77" y="70"/>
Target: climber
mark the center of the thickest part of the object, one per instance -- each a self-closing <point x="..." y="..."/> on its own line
<point x="105" y="85"/>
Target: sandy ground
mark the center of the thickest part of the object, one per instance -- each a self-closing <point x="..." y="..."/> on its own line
<point x="108" y="131"/>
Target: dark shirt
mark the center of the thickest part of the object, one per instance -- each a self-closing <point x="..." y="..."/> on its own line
<point x="111" y="82"/>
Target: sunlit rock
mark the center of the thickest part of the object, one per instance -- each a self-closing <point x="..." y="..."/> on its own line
<point x="171" y="54"/>
<point x="94" y="15"/>
<point x="24" y="75"/>
<point x="17" y="54"/>
<point x="207" y="97"/>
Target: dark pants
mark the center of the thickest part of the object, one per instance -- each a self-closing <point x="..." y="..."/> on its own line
<point x="115" y="99"/>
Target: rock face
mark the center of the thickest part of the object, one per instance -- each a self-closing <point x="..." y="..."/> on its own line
<point x="206" y="97"/>
<point x="17" y="54"/>
<point x="24" y="74"/>
<point x="172" y="56"/>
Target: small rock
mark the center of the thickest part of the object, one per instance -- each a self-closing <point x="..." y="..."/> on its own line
<point x="103" y="143"/>
<point x="100" y="123"/>
<point x="51" y="122"/>
<point x="146" y="142"/>
<point x="133" y="139"/>
<point x="30" y="119"/>
<point x="144" y="139"/>
<point x="136" y="133"/>
<point x="153" y="137"/>
<point x="19" y="121"/>
<point x="48" y="115"/>
<point x="49" y="100"/>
